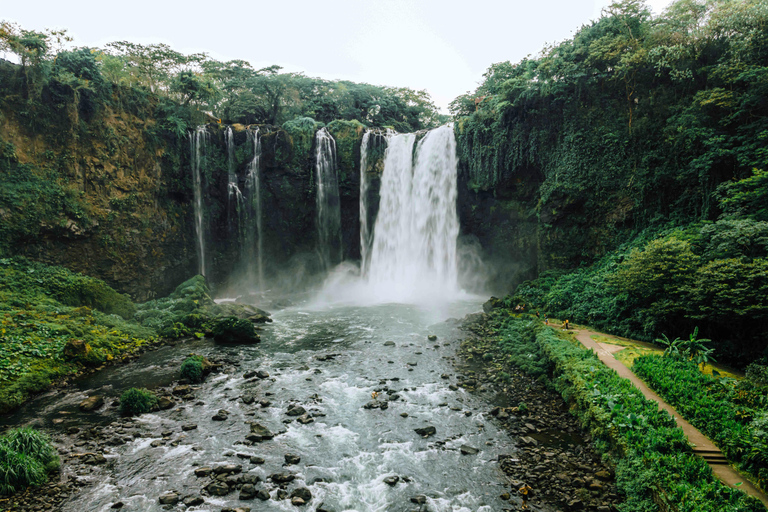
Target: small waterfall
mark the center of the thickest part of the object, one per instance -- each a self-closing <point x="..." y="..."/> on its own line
<point x="414" y="245"/>
<point x="365" y="235"/>
<point x="198" y="144"/>
<point x="328" y="207"/>
<point x="253" y="247"/>
<point x="235" y="201"/>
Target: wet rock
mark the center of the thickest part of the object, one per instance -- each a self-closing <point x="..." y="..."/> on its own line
<point x="323" y="508"/>
<point x="257" y="460"/>
<point x="295" y="410"/>
<point x="259" y="433"/>
<point x="292" y="459"/>
<point x="189" y="426"/>
<point x="165" y="402"/>
<point x="389" y="343"/>
<point x="262" y="374"/>
<point x="375" y="404"/>
<point x="303" y="493"/>
<point x="92" y="403"/>
<point x="249" y="375"/>
<point x="431" y="337"/>
<point x="193" y="501"/>
<point x="217" y="488"/>
<point x="468" y="450"/>
<point x="182" y="390"/>
<point x="262" y="495"/>
<point x="228" y="469"/>
<point x="282" y="478"/>
<point x="248" y="399"/>
<point x="392" y="480"/>
<point x="426" y="431"/>
<point x="297" y="502"/>
<point x="265" y="403"/>
<point x="419" y="499"/>
<point x="117" y="505"/>
<point x="169" y="498"/>
<point x="204" y="471"/>
<point x="304" y="419"/>
<point x="222" y="415"/>
<point x="236" y="509"/>
<point x="247" y="492"/>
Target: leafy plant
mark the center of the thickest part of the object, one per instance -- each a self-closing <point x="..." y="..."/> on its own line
<point x="136" y="401"/>
<point x="26" y="456"/>
<point x="192" y="369"/>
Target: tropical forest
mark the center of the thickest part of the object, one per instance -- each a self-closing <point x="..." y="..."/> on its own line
<point x="227" y="287"/>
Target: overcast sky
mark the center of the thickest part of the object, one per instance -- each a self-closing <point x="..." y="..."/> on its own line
<point x="443" y="46"/>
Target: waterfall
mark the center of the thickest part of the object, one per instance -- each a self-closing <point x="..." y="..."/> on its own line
<point x="365" y="235"/>
<point x="328" y="209"/>
<point x="416" y="230"/>
<point x="235" y="210"/>
<point x="253" y="247"/>
<point x="198" y="142"/>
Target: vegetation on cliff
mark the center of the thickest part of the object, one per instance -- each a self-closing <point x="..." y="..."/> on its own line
<point x="646" y="139"/>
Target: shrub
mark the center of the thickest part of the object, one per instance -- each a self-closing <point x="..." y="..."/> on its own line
<point x="25" y="458"/>
<point x="136" y="401"/>
<point x="231" y="329"/>
<point x="192" y="369"/>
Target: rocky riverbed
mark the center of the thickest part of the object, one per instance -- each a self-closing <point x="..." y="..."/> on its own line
<point x="339" y="409"/>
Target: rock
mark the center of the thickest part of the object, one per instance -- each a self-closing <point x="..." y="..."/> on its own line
<point x="392" y="480"/>
<point x="248" y="399"/>
<point x="247" y="492"/>
<point x="468" y="450"/>
<point x="249" y="375"/>
<point x="257" y="460"/>
<point x="431" y="337"/>
<point x="193" y="501"/>
<point x="419" y="499"/>
<point x="217" y="488"/>
<point x="262" y="374"/>
<point x="491" y="304"/>
<point x="259" y="433"/>
<point x="169" y="498"/>
<point x="292" y="459"/>
<point x="262" y="495"/>
<point x="228" y="469"/>
<point x="76" y="349"/>
<point x="303" y="493"/>
<point x="220" y="416"/>
<point x="304" y="419"/>
<point x="118" y="504"/>
<point x="426" y="431"/>
<point x="188" y="427"/>
<point x="92" y="403"/>
<point x="389" y="343"/>
<point x="182" y="390"/>
<point x="204" y="471"/>
<point x="297" y="502"/>
<point x="165" y="402"/>
<point x="295" y="410"/>
<point x="282" y="478"/>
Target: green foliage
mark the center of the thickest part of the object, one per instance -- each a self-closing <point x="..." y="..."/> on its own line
<point x="134" y="402"/>
<point x="183" y="313"/>
<point x="26" y="456"/>
<point x="192" y="369"/>
<point x="231" y="329"/>
<point x="654" y="461"/>
<point x="302" y="131"/>
<point x="721" y="408"/>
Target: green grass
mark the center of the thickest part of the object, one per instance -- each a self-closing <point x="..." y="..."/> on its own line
<point x="26" y="458"/>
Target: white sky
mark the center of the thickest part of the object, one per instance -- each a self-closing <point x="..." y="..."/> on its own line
<point x="443" y="46"/>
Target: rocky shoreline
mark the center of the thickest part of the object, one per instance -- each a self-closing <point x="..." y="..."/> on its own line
<point x="556" y="463"/>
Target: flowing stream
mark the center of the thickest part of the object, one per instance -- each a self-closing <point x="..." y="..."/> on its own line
<point x="346" y="453"/>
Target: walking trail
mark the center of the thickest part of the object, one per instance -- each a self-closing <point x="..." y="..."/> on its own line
<point x="703" y="446"/>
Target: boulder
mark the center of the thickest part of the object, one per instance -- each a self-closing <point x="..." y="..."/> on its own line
<point x="217" y="488"/>
<point x="92" y="403"/>
<point x="426" y="431"/>
<point x="76" y="349"/>
<point x="169" y="498"/>
<point x="259" y="433"/>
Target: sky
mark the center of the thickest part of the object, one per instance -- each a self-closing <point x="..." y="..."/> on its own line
<point x="443" y="46"/>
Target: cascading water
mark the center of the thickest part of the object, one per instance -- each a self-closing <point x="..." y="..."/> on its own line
<point x="414" y="247"/>
<point x="365" y="235"/>
<point x="253" y="247"/>
<point x="235" y="210"/>
<point x="328" y="208"/>
<point x="198" y="142"/>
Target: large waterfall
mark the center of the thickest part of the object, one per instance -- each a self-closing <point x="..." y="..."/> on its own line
<point x="415" y="235"/>
<point x="198" y="146"/>
<point x="328" y="209"/>
<point x="253" y="248"/>
<point x="235" y="200"/>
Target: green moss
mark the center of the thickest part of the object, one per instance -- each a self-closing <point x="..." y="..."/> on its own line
<point x="231" y="329"/>
<point x="302" y="131"/>
<point x="192" y="369"/>
<point x="136" y="401"/>
<point x="348" y="135"/>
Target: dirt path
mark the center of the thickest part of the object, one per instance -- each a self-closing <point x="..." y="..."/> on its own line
<point x="701" y="443"/>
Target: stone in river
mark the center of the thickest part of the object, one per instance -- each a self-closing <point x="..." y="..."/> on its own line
<point x="468" y="450"/>
<point x="169" y="498"/>
<point x="426" y="431"/>
<point x="92" y="403"/>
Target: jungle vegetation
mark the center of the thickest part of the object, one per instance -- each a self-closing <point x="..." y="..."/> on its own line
<point x="647" y="137"/>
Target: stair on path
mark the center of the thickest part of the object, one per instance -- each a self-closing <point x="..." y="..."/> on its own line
<point x="711" y="456"/>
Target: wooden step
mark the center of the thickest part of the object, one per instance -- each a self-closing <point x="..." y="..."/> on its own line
<point x="711" y="456"/>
